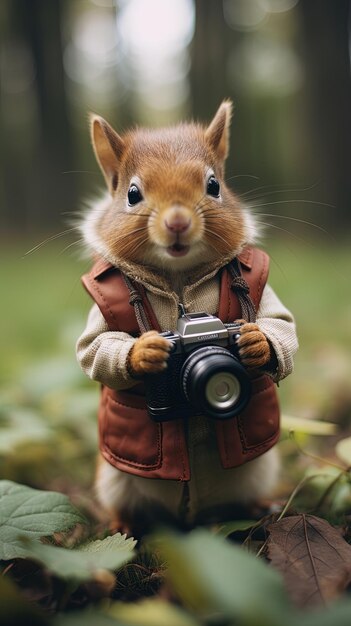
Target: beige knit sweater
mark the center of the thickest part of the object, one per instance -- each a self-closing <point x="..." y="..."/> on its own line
<point x="103" y="355"/>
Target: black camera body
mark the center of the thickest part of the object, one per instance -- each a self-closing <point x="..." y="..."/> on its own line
<point x="203" y="375"/>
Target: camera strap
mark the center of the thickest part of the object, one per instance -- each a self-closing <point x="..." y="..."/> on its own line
<point x="242" y="291"/>
<point x="136" y="300"/>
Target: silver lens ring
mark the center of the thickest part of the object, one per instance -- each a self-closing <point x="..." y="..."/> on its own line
<point x="222" y="390"/>
<point x="200" y="367"/>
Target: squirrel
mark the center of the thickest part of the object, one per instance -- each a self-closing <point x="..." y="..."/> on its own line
<point x="171" y="225"/>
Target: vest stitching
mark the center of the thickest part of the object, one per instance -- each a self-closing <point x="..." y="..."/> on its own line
<point x="95" y="286"/>
<point x="229" y="319"/>
<point x="247" y="448"/>
<point x="264" y="265"/>
<point x="225" y="444"/>
<point x="107" y="450"/>
<point x="137" y="408"/>
<point x="149" y="310"/>
<point x="130" y="461"/>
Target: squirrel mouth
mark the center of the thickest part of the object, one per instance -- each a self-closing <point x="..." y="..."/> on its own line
<point x="177" y="249"/>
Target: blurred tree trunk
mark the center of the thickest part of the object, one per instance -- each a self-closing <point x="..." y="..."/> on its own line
<point x="210" y="52"/>
<point x="211" y="48"/>
<point x="325" y="33"/>
<point x="39" y="200"/>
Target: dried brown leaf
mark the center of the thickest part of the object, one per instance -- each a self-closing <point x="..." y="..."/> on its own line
<point x="312" y="556"/>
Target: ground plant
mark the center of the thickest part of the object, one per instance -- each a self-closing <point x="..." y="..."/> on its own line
<point x="60" y="561"/>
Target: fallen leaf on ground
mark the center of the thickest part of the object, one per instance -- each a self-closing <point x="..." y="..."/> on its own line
<point x="312" y="556"/>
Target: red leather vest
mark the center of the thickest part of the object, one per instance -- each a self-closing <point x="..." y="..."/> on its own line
<point x="129" y="439"/>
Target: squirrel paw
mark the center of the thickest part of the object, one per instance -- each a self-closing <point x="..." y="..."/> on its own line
<point x="254" y="349"/>
<point x="149" y="354"/>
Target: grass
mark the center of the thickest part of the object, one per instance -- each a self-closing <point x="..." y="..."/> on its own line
<point x="43" y="306"/>
<point x="313" y="280"/>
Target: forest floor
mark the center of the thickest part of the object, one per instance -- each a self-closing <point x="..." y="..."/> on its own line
<point x="49" y="441"/>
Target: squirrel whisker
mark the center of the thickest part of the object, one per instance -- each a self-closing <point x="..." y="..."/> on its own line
<point x="74" y="243"/>
<point x="52" y="238"/>
<point x="215" y="234"/>
<point x="242" y="176"/>
<point x="295" y="219"/>
<point x="284" y="230"/>
<point x="275" y="191"/>
<point x="326" y="204"/>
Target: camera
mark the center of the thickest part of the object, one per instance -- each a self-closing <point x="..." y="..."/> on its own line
<point x="203" y="375"/>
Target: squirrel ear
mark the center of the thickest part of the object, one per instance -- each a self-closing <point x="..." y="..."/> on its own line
<point x="108" y="147"/>
<point x="217" y="133"/>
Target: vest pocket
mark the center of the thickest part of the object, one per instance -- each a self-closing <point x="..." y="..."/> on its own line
<point x="259" y="422"/>
<point x="128" y="434"/>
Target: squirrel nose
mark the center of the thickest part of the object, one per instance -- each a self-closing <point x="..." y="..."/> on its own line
<point x="178" y="223"/>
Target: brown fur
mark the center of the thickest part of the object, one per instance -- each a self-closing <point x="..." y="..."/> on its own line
<point x="171" y="167"/>
<point x="149" y="354"/>
<point x="254" y="348"/>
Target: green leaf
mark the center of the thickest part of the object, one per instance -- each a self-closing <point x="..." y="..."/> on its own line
<point x="31" y="513"/>
<point x="20" y="426"/>
<point x="228" y="528"/>
<point x="153" y="612"/>
<point x="343" y="450"/>
<point x="308" y="426"/>
<point x="111" y="543"/>
<point x="81" y="564"/>
<point x="210" y="575"/>
<point x="340" y="502"/>
<point x="49" y="375"/>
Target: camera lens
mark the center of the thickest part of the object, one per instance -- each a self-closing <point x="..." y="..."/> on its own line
<point x="214" y="381"/>
<point x="222" y="390"/>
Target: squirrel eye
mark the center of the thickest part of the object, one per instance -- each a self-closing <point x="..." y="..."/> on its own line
<point x="213" y="187"/>
<point x="134" y="195"/>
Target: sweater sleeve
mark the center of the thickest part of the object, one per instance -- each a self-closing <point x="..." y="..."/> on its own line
<point x="277" y="324"/>
<point x="102" y="353"/>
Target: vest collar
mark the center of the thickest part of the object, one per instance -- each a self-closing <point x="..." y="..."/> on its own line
<point x="246" y="257"/>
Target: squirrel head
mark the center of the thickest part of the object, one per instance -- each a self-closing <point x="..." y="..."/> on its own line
<point x="169" y="206"/>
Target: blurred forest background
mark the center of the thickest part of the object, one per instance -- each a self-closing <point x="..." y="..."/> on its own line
<point x="286" y="64"/>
